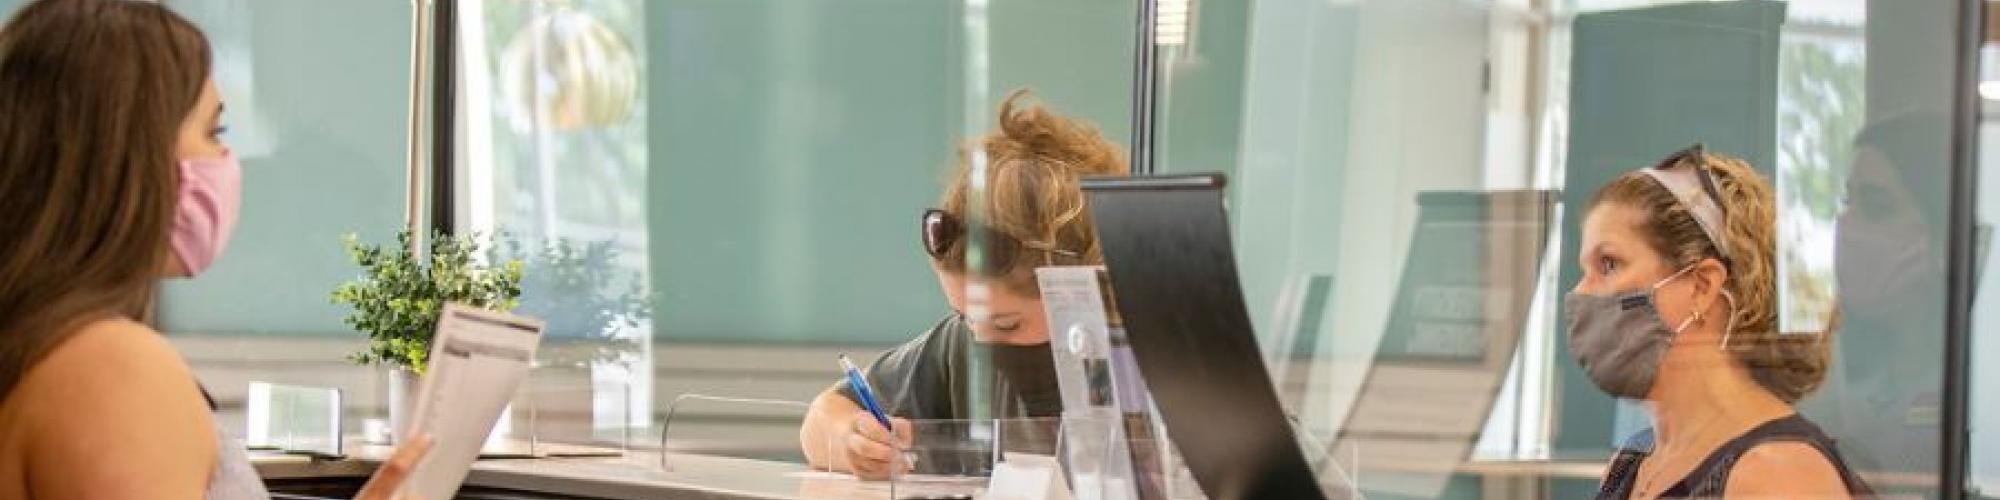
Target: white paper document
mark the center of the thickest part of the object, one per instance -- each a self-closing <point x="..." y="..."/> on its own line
<point x="477" y="361"/>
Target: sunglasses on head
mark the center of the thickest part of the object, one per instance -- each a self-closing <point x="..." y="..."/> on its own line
<point x="942" y="230"/>
<point x="1691" y="157"/>
<point x="1685" y="172"/>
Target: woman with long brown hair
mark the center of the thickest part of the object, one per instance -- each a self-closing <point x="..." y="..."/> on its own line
<point x="113" y="175"/>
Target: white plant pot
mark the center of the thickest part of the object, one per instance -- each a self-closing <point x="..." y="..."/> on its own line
<point x="403" y="386"/>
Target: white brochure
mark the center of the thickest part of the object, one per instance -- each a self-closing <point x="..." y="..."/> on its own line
<point x="477" y="360"/>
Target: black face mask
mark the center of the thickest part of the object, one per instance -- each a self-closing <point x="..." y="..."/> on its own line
<point x="1029" y="373"/>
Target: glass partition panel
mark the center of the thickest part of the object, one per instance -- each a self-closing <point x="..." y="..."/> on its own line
<point x="317" y="99"/>
<point x="740" y="183"/>
<point x="1347" y="125"/>
<point x="1984" y="476"/>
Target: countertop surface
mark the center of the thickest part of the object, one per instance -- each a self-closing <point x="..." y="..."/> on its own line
<point x="632" y="475"/>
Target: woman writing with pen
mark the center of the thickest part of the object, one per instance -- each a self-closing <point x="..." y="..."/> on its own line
<point x="1033" y="215"/>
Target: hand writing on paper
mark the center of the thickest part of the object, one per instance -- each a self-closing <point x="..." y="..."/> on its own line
<point x="872" y="452"/>
<point x="390" y="477"/>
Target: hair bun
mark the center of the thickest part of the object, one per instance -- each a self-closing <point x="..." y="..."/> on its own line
<point x="1029" y="131"/>
<point x="1034" y="161"/>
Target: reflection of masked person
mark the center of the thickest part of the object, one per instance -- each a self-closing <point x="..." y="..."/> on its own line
<point x="1890" y="264"/>
<point x="1886" y="249"/>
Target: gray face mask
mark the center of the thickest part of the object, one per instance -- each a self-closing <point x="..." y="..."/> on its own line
<point x="1620" y="338"/>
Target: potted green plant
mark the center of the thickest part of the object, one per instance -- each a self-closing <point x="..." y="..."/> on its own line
<point x="397" y="299"/>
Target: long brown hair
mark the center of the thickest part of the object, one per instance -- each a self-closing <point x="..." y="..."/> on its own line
<point x="1033" y="198"/>
<point x="92" y="97"/>
<point x="1789" y="365"/>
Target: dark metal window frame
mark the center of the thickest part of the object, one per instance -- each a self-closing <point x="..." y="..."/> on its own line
<point x="1145" y="88"/>
<point x="444" y="117"/>
<point x="1954" y="444"/>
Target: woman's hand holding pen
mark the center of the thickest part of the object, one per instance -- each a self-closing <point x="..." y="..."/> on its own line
<point x="872" y="451"/>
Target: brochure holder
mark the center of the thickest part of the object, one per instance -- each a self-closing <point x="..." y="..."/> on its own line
<point x="1116" y="446"/>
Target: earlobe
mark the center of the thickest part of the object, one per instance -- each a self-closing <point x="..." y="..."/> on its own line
<point x="1711" y="278"/>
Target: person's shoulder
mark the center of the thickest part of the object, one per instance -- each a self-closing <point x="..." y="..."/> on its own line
<point x="111" y="357"/>
<point x="114" y="406"/>
<point x="1785" y="469"/>
<point x="107" y="367"/>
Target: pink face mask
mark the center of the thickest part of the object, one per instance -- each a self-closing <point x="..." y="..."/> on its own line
<point x="210" y="197"/>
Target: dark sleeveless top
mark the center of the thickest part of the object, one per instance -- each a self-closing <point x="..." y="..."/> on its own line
<point x="1708" y="479"/>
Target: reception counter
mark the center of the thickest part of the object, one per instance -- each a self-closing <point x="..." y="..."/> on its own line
<point x="639" y="475"/>
<point x="634" y="476"/>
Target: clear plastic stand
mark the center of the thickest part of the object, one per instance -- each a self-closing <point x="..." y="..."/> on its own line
<point x="293" y="419"/>
<point x="1119" y="449"/>
<point x="954" y="459"/>
<point x="565" y="411"/>
<point x="667" y="422"/>
<point x="1081" y="317"/>
<point x="1159" y="472"/>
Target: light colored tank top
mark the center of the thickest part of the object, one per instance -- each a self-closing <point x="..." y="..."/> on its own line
<point x="234" y="478"/>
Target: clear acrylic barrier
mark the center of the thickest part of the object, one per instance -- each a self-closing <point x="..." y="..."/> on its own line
<point x="957" y="458"/>
<point x="785" y="407"/>
<point x="1160" y="470"/>
<point x="568" y="411"/>
<point x="293" y="418"/>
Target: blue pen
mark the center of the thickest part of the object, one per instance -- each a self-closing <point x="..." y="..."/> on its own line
<point x="861" y="388"/>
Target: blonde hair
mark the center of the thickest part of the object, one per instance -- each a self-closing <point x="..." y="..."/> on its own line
<point x="1790" y="366"/>
<point x="1032" y="200"/>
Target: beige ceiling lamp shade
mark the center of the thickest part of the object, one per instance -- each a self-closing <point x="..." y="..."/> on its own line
<point x="569" y="71"/>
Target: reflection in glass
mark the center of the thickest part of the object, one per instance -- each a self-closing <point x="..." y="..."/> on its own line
<point x="1890" y="259"/>
<point x="589" y="302"/>
<point x="555" y="157"/>
<point x="1984" y="476"/>
<point x="1334" y="117"/>
<point x="1460" y="305"/>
